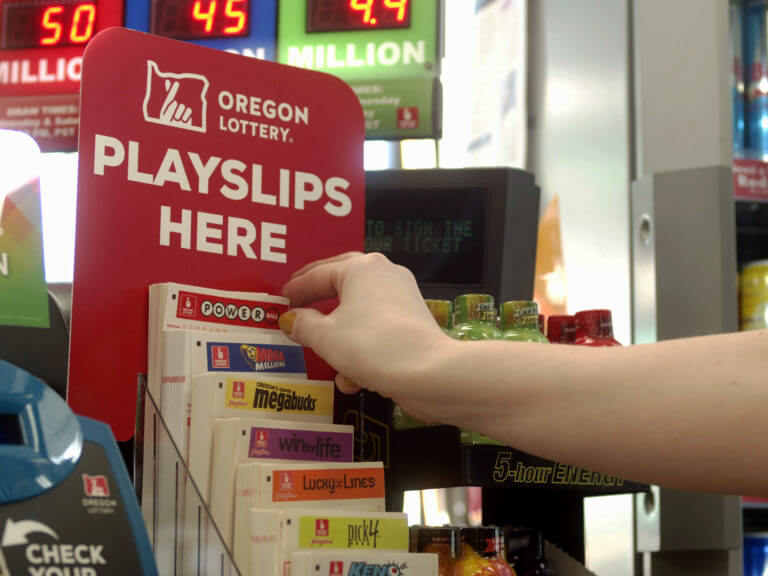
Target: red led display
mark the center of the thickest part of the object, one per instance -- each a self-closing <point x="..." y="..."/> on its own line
<point x="340" y="15"/>
<point x="48" y="23"/>
<point x="189" y="19"/>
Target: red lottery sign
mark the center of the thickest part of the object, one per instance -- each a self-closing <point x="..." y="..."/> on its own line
<point x="750" y="180"/>
<point x="205" y="168"/>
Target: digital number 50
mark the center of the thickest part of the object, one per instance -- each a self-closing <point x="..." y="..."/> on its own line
<point x="80" y="29"/>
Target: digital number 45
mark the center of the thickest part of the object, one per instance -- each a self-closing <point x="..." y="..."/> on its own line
<point x="236" y="15"/>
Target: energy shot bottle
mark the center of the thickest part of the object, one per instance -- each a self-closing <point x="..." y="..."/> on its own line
<point x="482" y="553"/>
<point x="520" y="322"/>
<point x="475" y="318"/>
<point x="561" y="329"/>
<point x="442" y="312"/>
<point x="595" y="328"/>
<point x="445" y="542"/>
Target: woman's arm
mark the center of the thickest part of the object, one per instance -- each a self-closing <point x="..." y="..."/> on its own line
<point x="689" y="414"/>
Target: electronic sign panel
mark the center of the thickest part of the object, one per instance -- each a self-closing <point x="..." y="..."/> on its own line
<point x="41" y="59"/>
<point x="388" y="51"/>
<point x="245" y="27"/>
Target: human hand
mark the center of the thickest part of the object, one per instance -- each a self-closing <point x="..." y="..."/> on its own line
<point x="381" y="336"/>
<point x="172" y="111"/>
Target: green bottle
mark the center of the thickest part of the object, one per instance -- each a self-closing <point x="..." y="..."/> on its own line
<point x="474" y="318"/>
<point x="442" y="312"/>
<point x="520" y="322"/>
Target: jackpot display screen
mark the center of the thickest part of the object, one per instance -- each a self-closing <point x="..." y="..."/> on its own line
<point x="197" y="19"/>
<point x="341" y="15"/>
<point x="48" y="23"/>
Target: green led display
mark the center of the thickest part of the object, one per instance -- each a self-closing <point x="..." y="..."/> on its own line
<point x="388" y="51"/>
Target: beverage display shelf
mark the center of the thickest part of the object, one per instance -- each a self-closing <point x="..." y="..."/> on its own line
<point x="754" y="503"/>
<point x="434" y="457"/>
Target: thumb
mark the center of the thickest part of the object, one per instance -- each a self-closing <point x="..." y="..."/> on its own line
<point x="308" y="327"/>
<point x="304" y="326"/>
<point x="346" y="386"/>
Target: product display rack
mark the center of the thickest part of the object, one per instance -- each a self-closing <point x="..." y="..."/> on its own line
<point x="518" y="488"/>
<point x="209" y="554"/>
<point x="432" y="457"/>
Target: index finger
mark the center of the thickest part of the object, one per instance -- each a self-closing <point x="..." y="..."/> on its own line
<point x="321" y="282"/>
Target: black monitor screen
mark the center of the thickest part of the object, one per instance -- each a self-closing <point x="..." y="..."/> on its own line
<point x="437" y="234"/>
<point x="10" y="430"/>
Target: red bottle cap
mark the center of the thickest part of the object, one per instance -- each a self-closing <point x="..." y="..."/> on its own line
<point x="561" y="329"/>
<point x="595" y="327"/>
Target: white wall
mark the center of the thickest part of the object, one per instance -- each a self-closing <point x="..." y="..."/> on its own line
<point x="580" y="150"/>
<point x="682" y="84"/>
<point x="58" y="193"/>
<point x="579" y="144"/>
<point x="456" y="68"/>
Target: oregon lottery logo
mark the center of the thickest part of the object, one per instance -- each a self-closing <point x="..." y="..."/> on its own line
<point x="287" y="481"/>
<point x="96" y="495"/>
<point x="177" y="100"/>
<point x="95" y="486"/>
<point x="219" y="356"/>
<point x="180" y="101"/>
<point x="262" y="438"/>
<point x="408" y="117"/>
<point x="336" y="569"/>
<point x="188" y="306"/>
<point x="321" y="527"/>
<point x="238" y="389"/>
<point x="263" y="358"/>
<point x="366" y="569"/>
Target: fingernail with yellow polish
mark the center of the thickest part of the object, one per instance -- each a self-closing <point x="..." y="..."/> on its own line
<point x="286" y="321"/>
<point x="350" y="387"/>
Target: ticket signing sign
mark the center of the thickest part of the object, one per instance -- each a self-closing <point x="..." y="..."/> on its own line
<point x="201" y="167"/>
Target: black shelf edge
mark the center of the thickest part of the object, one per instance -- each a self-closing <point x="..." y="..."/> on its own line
<point x="434" y="457"/>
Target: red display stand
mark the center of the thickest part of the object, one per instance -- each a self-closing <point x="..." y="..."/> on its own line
<point x="200" y="167"/>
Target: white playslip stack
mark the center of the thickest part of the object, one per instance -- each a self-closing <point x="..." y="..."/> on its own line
<point x="257" y="435"/>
